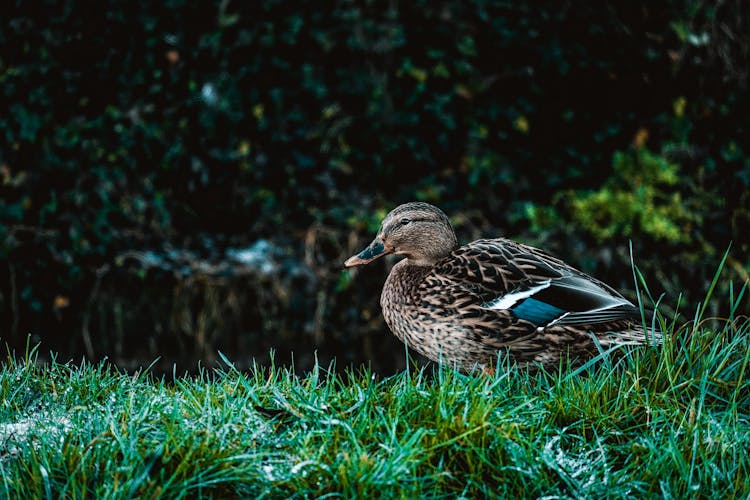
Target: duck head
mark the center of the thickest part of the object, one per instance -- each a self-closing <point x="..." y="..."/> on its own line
<point x="419" y="231"/>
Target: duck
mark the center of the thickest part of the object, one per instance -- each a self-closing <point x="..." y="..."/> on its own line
<point x="491" y="300"/>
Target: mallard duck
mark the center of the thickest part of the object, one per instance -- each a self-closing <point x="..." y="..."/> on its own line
<point x="467" y="305"/>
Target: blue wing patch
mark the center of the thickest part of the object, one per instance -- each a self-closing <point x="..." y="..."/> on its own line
<point x="536" y="312"/>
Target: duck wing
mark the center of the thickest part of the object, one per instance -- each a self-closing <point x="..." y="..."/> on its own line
<point x="530" y="285"/>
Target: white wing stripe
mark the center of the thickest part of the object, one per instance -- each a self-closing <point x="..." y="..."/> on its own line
<point x="509" y="300"/>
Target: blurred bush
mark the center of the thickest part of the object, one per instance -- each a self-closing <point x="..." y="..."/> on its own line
<point x="148" y="126"/>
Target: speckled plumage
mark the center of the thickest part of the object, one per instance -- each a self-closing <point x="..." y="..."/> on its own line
<point x="467" y="305"/>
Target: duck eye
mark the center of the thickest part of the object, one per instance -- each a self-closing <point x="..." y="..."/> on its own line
<point x="405" y="221"/>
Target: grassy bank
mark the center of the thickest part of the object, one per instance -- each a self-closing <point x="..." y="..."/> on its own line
<point x="673" y="422"/>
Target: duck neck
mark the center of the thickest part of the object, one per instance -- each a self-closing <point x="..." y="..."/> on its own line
<point x="403" y="281"/>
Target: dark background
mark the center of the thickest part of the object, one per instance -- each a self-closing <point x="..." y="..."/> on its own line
<point x="145" y="145"/>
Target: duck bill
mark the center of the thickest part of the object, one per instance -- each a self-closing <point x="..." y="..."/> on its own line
<point x="372" y="252"/>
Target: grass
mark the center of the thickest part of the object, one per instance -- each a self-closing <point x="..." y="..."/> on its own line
<point x="672" y="422"/>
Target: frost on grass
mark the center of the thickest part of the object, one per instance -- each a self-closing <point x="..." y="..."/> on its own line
<point x="33" y="429"/>
<point x="581" y="469"/>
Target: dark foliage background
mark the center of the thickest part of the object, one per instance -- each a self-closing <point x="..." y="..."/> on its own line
<point x="144" y="145"/>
